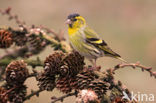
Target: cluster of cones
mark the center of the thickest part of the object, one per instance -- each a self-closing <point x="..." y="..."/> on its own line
<point x="65" y="71"/>
<point x="14" y="91"/>
<point x="22" y="37"/>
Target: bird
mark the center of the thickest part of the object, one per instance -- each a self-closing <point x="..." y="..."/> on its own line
<point x="86" y="41"/>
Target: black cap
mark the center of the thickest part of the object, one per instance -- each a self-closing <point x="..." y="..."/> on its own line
<point x="73" y="15"/>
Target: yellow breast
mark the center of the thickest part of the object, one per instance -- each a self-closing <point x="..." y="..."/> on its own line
<point x="72" y="31"/>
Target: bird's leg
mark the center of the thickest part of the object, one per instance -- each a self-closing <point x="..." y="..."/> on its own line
<point x="94" y="63"/>
<point x="95" y="67"/>
<point x="92" y="67"/>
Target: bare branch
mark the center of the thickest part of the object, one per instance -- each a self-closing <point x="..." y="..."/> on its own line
<point x="32" y="94"/>
<point x="135" y="65"/>
<point x="62" y="97"/>
<point x="11" y="16"/>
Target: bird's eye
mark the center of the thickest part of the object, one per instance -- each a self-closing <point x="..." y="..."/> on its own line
<point x="74" y="19"/>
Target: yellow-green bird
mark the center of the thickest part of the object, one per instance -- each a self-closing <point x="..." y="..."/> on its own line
<point x="86" y="41"/>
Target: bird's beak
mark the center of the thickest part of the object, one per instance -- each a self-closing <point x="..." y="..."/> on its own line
<point x="68" y="21"/>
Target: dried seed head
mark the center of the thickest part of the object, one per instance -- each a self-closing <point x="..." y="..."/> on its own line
<point x="16" y="72"/>
<point x="46" y="81"/>
<point x="6" y="38"/>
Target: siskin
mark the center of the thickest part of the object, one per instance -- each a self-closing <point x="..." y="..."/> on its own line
<point x="86" y="41"/>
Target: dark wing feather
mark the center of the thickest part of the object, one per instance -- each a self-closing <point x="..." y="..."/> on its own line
<point x="101" y="44"/>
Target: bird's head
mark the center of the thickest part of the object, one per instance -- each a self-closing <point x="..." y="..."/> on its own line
<point x="75" y="21"/>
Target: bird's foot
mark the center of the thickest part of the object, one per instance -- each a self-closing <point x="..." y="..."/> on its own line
<point x="93" y="68"/>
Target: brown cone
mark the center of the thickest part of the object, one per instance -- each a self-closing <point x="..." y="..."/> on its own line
<point x="99" y="87"/>
<point x="73" y="64"/>
<point x="3" y="97"/>
<point x="20" y="37"/>
<point x="53" y="63"/>
<point x="18" y="94"/>
<point x="35" y="44"/>
<point x="6" y="38"/>
<point x="64" y="84"/>
<point x="46" y="81"/>
<point x="83" y="79"/>
<point x="16" y="73"/>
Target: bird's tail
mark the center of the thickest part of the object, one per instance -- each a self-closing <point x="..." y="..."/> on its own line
<point x="122" y="59"/>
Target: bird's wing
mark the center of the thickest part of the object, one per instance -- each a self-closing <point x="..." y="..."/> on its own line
<point x="92" y="37"/>
<point x="101" y="44"/>
<point x="90" y="33"/>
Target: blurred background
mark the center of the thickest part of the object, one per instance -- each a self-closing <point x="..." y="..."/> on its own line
<point x="128" y="26"/>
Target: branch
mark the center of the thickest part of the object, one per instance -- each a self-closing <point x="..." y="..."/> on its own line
<point x="33" y="63"/>
<point x="34" y="74"/>
<point x="59" y="36"/>
<point x="13" y="54"/>
<point x="64" y="46"/>
<point x="11" y="16"/>
<point x="135" y="65"/>
<point x="58" y="41"/>
<point x="32" y="94"/>
<point x="62" y="97"/>
<point x="2" y="71"/>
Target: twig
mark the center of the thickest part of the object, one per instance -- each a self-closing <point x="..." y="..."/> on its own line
<point x="33" y="63"/>
<point x="1" y="73"/>
<point x="34" y="74"/>
<point x="62" y="97"/>
<point x="8" y="91"/>
<point x="11" y="16"/>
<point x="58" y="36"/>
<point x="32" y="94"/>
<point x="18" y="52"/>
<point x="59" y="42"/>
<point x="135" y="65"/>
<point x="64" y="46"/>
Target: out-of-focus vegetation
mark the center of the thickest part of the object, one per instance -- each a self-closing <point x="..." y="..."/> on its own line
<point x="127" y="25"/>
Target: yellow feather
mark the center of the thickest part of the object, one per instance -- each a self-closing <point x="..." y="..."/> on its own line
<point x="98" y="41"/>
<point x="79" y="31"/>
